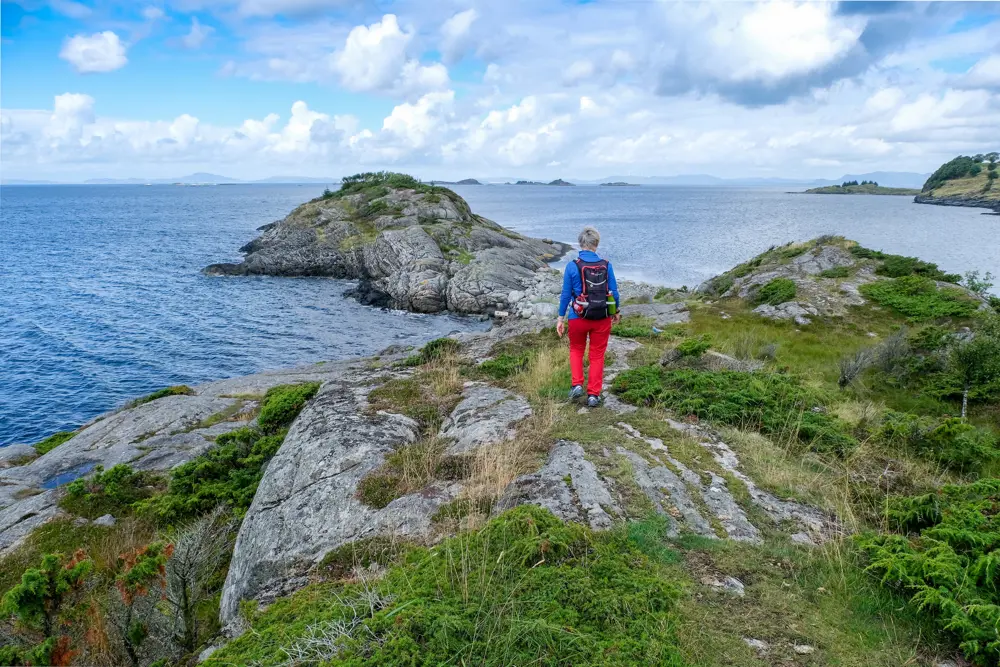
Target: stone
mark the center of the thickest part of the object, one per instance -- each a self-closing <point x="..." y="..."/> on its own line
<point x="790" y="310"/>
<point x="16" y="455"/>
<point x="306" y="504"/>
<point x="663" y="314"/>
<point x="803" y="649"/>
<point x="569" y="486"/>
<point x="758" y="645"/>
<point x="486" y="415"/>
<point x="207" y="653"/>
<point x="728" y="585"/>
<point x="107" y="520"/>
<point x="419" y="253"/>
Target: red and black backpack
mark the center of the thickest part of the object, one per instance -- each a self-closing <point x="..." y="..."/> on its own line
<point x="592" y="302"/>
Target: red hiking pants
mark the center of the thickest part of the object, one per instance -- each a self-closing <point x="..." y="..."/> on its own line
<point x="599" y="332"/>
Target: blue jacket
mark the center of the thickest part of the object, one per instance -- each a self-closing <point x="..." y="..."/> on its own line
<point x="573" y="284"/>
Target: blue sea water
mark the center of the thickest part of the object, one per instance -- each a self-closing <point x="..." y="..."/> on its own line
<point x="102" y="299"/>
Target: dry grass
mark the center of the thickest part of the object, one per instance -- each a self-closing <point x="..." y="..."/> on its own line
<point x="493" y="468"/>
<point x="417" y="464"/>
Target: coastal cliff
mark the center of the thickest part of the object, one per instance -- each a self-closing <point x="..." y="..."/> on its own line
<point x="725" y="505"/>
<point x="413" y="246"/>
<point x="964" y="181"/>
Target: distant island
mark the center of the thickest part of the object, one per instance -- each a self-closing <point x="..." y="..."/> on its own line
<point x="558" y="182"/>
<point x="862" y="188"/>
<point x="464" y="181"/>
<point x="620" y="184"/>
<point x="964" y="181"/>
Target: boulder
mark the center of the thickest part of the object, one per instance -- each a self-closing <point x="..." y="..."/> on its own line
<point x="414" y="248"/>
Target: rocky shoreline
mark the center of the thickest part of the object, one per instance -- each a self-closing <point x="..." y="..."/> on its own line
<point x="969" y="202"/>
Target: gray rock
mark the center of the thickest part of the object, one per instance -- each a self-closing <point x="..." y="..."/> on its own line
<point x="486" y="415"/>
<point x="422" y="255"/>
<point x="12" y="455"/>
<point x="790" y="310"/>
<point x="106" y="520"/>
<point x="207" y="653"/>
<point x="728" y="585"/>
<point x="758" y="645"/>
<point x="669" y="495"/>
<point x="803" y="649"/>
<point x="306" y="504"/>
<point x="584" y="499"/>
<point x="663" y="314"/>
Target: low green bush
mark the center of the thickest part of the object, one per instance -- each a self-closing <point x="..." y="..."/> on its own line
<point x="836" y="272"/>
<point x="897" y="266"/>
<point x="776" y="292"/>
<point x="505" y="365"/>
<point x="48" y="444"/>
<point x="694" y="346"/>
<point x="436" y="349"/>
<point x="945" y="558"/>
<point x="772" y="403"/>
<point x="950" y="441"/>
<point x="919" y="298"/>
<point x="526" y="589"/>
<point x="229" y="472"/>
<point x="113" y="491"/>
<point x="283" y="403"/>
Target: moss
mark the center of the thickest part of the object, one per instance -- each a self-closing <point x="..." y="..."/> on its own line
<point x="379" y="489"/>
<point x="380" y="550"/>
<point x="175" y="390"/>
<point x="283" y="403"/>
<point x="48" y="444"/>
<point x="406" y="396"/>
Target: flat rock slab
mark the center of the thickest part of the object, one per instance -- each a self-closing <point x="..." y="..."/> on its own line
<point x="486" y="415"/>
<point x="663" y="314"/>
<point x="306" y="503"/>
<point x="569" y="486"/>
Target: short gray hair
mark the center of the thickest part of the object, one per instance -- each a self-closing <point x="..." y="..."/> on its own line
<point x="589" y="237"/>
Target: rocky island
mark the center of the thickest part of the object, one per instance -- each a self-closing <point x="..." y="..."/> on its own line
<point x="412" y="246"/>
<point x="862" y="188"/>
<point x="964" y="181"/>
<point x="778" y="459"/>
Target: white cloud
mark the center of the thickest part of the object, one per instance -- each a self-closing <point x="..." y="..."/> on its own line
<point x="100" y="52"/>
<point x="152" y="13"/>
<point x="197" y="35"/>
<point x="984" y="74"/>
<point x="74" y="10"/>
<point x="456" y="36"/>
<point x="374" y="58"/>
<point x="578" y="71"/>
<point x="414" y="124"/>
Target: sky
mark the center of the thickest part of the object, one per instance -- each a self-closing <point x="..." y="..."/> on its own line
<point x="449" y="89"/>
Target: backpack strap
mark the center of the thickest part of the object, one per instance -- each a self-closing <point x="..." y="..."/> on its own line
<point x="579" y="268"/>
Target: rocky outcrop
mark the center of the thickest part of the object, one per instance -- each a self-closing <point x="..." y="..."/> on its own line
<point x="486" y="415"/>
<point x="416" y="248"/>
<point x="155" y="436"/>
<point x="971" y="201"/>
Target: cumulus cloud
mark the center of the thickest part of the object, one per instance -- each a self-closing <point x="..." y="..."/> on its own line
<point x="197" y="35"/>
<point x="984" y="74"/>
<point x="100" y="52"/>
<point x="374" y="58"/>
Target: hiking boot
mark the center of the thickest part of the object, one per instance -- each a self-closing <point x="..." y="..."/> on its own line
<point x="576" y="392"/>
<point x="593" y="401"/>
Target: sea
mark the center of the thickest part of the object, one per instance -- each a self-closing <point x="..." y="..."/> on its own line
<point x="102" y="297"/>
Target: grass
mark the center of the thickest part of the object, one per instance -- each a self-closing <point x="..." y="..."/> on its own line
<point x="48" y="444"/>
<point x="776" y="292"/>
<point x="836" y="272"/>
<point x="524" y="589"/>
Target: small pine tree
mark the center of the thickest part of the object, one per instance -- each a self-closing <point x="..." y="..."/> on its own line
<point x="36" y="601"/>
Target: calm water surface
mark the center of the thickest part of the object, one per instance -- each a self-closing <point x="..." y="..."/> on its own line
<point x="101" y="298"/>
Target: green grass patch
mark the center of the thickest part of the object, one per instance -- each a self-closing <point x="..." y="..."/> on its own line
<point x="897" y="266"/>
<point x="526" y="589"/>
<point x="776" y="292"/>
<point x="504" y="365"/>
<point x="919" y="299"/>
<point x="176" y="390"/>
<point x="769" y="402"/>
<point x="432" y="351"/>
<point x="48" y="444"/>
<point x="282" y="404"/>
<point x="408" y="397"/>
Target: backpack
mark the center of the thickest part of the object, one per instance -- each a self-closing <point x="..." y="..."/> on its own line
<point x="592" y="302"/>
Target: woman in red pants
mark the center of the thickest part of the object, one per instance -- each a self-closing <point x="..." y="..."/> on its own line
<point x="587" y="284"/>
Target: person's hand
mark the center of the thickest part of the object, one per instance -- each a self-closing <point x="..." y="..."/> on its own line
<point x="616" y="319"/>
<point x="560" y="326"/>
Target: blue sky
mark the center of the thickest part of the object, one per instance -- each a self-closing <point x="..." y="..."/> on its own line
<point x="252" y="88"/>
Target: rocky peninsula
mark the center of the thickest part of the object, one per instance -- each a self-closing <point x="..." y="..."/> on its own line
<point x="721" y="507"/>
<point x="861" y="189"/>
<point x="964" y="181"/>
<point x="411" y="245"/>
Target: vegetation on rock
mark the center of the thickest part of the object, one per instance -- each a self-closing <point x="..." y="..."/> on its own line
<point x="48" y="444"/>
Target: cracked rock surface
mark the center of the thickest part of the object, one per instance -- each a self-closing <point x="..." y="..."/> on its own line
<point x="486" y="415"/>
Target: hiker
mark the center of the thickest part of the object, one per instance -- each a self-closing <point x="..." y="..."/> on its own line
<point x="590" y="294"/>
